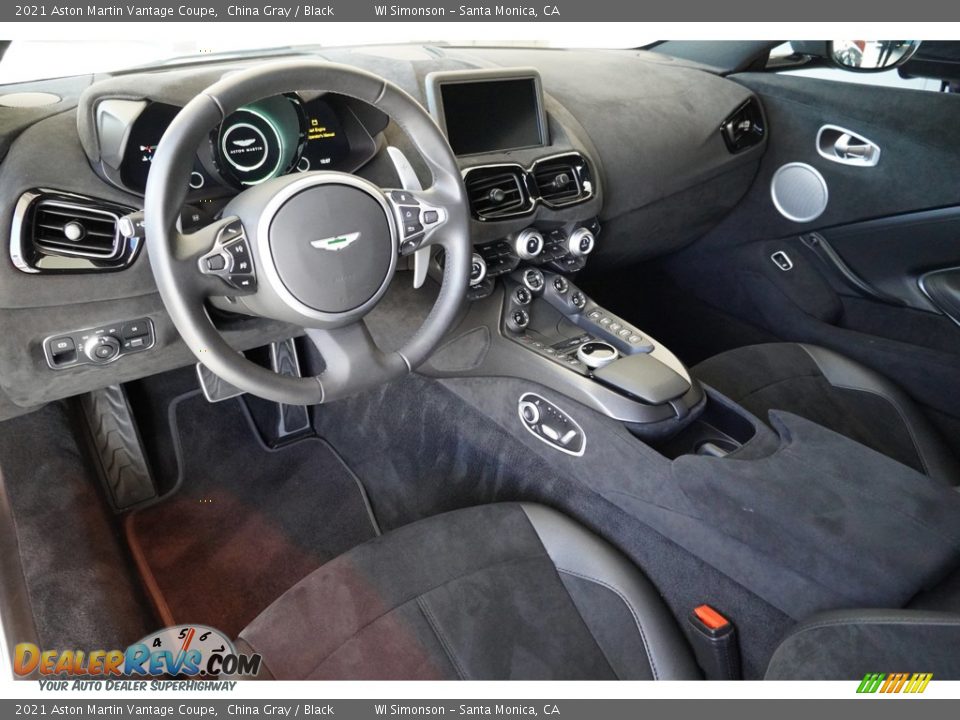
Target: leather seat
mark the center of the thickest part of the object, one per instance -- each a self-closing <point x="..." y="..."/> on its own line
<point x="836" y="392"/>
<point x="505" y="591"/>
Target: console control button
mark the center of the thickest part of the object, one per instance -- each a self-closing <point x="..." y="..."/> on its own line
<point x="518" y="320"/>
<point x="551" y="425"/>
<point x="522" y="296"/>
<point x="578" y="300"/>
<point x="560" y="284"/>
<point x="533" y="279"/>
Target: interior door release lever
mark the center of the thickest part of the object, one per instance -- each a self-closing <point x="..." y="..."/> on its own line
<point x="846" y="147"/>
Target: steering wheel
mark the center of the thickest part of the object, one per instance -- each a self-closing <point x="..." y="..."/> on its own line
<point x="316" y="249"/>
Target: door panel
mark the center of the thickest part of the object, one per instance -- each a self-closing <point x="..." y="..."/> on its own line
<point x="886" y="226"/>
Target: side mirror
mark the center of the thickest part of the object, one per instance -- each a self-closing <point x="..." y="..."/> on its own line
<point x="871" y="55"/>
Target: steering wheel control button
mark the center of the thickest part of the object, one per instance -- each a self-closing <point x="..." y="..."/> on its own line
<point x="243" y="282"/>
<point x="431" y="217"/>
<point x="597" y="354"/>
<point x="551" y="425"/>
<point x="215" y="263"/>
<point x="402" y="197"/>
<point x="528" y="244"/>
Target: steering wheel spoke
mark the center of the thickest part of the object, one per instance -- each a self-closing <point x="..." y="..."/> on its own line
<point x="219" y="259"/>
<point x="352" y="359"/>
<point x="420" y="216"/>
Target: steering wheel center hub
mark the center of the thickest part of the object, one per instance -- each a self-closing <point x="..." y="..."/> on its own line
<point x="332" y="243"/>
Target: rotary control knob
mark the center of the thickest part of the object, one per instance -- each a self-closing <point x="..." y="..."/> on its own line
<point x="478" y="269"/>
<point x="528" y="244"/>
<point x="580" y="242"/>
<point x="596" y="353"/>
<point x="101" y="348"/>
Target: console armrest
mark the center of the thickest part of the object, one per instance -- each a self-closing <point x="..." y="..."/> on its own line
<point x="644" y="377"/>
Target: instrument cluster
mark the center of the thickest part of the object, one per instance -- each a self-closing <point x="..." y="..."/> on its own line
<point x="272" y="137"/>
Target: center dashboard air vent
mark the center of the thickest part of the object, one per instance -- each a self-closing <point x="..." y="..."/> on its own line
<point x="61" y="232"/>
<point x="563" y="180"/>
<point x="744" y="128"/>
<point x="503" y="191"/>
<point x="497" y="192"/>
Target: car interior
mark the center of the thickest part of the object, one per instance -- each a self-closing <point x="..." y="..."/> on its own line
<point x="420" y="361"/>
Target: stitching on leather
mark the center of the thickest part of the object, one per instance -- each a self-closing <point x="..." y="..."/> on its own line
<point x="630" y="607"/>
<point x="405" y="600"/>
<point x="441" y="636"/>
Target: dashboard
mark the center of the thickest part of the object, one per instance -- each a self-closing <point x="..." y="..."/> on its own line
<point x="550" y="150"/>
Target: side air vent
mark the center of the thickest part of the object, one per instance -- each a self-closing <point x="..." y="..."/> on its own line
<point x="744" y="128"/>
<point x="75" y="230"/>
<point x="563" y="180"/>
<point x="60" y="232"/>
<point x="497" y="192"/>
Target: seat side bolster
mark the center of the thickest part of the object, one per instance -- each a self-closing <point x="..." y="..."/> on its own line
<point x="843" y="373"/>
<point x="576" y="551"/>
<point x="847" y="644"/>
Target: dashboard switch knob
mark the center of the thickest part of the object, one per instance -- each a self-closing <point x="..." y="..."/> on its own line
<point x="101" y="348"/>
<point x="580" y="242"/>
<point x="478" y="269"/>
<point x="528" y="244"/>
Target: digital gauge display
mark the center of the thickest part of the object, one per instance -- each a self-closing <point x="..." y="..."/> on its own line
<point x="327" y="145"/>
<point x="260" y="141"/>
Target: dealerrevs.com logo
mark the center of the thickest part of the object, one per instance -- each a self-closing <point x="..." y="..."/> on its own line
<point x="181" y="650"/>
<point x="893" y="683"/>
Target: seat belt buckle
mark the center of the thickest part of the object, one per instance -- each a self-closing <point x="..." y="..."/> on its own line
<point x="715" y="644"/>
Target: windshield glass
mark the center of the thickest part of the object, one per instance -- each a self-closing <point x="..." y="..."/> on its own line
<point x="35" y="60"/>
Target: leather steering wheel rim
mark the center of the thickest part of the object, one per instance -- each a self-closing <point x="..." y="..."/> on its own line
<point x="353" y="361"/>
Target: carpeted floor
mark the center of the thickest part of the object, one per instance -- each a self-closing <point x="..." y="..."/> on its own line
<point x="245" y="522"/>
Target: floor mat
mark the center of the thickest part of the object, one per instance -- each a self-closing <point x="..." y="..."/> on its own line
<point x="245" y="522"/>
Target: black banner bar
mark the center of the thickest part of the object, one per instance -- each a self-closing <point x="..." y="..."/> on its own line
<point x="859" y="11"/>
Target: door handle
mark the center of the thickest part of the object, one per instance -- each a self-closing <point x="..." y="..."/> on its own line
<point x="846" y="147"/>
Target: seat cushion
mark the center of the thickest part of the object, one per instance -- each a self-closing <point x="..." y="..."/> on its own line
<point x="505" y="591"/>
<point x="835" y="392"/>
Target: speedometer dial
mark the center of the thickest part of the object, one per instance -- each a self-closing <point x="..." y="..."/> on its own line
<point x="260" y="141"/>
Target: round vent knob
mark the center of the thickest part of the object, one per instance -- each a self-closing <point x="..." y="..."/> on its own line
<point x="74" y="231"/>
<point x="529" y="244"/>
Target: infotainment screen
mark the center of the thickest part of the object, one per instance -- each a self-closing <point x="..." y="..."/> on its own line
<point x="491" y="114"/>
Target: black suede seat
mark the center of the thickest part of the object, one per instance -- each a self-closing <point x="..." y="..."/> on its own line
<point x="833" y="391"/>
<point x="505" y="591"/>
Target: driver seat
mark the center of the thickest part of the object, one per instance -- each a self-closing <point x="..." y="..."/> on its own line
<point x="518" y="591"/>
<point x="504" y="591"/>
